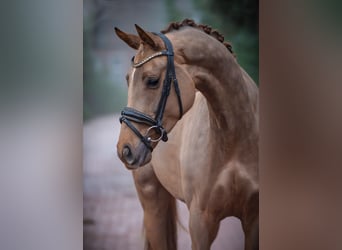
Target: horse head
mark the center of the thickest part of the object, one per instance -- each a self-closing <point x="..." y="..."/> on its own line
<point x="160" y="90"/>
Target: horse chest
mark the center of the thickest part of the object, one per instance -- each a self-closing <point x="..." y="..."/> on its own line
<point x="166" y="166"/>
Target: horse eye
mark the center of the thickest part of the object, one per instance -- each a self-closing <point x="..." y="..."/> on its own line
<point x="152" y="83"/>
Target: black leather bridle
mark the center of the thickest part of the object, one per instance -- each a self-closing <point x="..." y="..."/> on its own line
<point x="129" y="115"/>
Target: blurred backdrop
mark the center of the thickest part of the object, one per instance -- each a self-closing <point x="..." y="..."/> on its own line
<point x="106" y="58"/>
<point x="112" y="213"/>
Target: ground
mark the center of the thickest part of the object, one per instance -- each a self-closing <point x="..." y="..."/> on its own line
<point x="112" y="212"/>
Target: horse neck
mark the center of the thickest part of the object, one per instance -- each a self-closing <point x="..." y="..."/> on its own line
<point x="231" y="95"/>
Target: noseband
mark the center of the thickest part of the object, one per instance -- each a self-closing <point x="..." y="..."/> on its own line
<point x="129" y="115"/>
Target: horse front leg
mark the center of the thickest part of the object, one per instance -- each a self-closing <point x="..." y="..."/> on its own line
<point x="252" y="235"/>
<point x="203" y="228"/>
<point x="250" y="223"/>
<point x="159" y="210"/>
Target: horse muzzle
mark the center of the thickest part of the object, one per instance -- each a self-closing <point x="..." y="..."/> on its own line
<point x="134" y="157"/>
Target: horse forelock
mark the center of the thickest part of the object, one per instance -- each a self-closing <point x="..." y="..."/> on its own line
<point x="203" y="27"/>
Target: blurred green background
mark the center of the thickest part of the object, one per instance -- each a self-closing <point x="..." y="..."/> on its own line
<point x="106" y="58"/>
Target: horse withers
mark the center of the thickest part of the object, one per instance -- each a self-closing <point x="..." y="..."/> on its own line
<point x="186" y="89"/>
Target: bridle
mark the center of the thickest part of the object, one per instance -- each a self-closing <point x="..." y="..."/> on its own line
<point x="129" y="115"/>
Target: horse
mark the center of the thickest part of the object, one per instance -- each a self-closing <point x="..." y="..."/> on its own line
<point x="186" y="89"/>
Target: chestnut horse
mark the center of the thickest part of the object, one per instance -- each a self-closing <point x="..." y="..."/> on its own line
<point x="186" y="88"/>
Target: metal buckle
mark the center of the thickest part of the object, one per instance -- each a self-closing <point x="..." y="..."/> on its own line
<point x="161" y="130"/>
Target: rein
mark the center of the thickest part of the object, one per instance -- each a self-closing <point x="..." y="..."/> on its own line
<point x="129" y="115"/>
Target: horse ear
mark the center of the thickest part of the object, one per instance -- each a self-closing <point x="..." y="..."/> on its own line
<point x="132" y="40"/>
<point x="145" y="37"/>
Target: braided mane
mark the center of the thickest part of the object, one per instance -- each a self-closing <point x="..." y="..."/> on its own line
<point x="205" y="28"/>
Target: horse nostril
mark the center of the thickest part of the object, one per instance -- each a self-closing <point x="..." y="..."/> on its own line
<point x="128" y="155"/>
